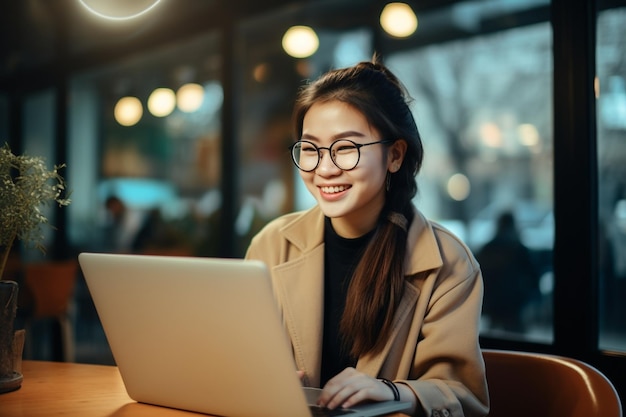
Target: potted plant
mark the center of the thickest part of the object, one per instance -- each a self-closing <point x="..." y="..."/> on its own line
<point x="26" y="185"/>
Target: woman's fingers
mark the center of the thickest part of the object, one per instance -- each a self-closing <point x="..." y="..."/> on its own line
<point x="351" y="387"/>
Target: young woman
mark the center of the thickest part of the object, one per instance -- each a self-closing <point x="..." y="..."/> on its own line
<point x="379" y="302"/>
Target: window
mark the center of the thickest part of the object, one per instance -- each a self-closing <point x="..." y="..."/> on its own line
<point x="484" y="107"/>
<point x="38" y="126"/>
<point x="611" y="125"/>
<point x="161" y="168"/>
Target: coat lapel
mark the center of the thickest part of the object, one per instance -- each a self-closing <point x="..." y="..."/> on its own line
<point x="427" y="258"/>
<point x="299" y="285"/>
<point x="372" y="364"/>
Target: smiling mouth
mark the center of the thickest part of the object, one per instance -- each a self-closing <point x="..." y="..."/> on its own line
<point x="335" y="189"/>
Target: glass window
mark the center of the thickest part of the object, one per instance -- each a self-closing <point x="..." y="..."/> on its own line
<point x="611" y="125"/>
<point x="38" y="128"/>
<point x="484" y="108"/>
<point x="147" y="133"/>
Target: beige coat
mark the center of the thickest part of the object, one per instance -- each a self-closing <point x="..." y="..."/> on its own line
<point x="434" y="345"/>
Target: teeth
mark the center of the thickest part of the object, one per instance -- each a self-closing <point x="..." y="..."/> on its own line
<point x="335" y="189"/>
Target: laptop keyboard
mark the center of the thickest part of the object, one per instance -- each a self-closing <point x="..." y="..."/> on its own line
<point x="326" y="412"/>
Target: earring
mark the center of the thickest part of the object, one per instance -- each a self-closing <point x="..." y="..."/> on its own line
<point x="388" y="181"/>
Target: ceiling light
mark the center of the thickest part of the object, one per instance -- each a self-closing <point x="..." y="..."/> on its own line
<point x="300" y="41"/>
<point x="119" y="9"/>
<point x="398" y="19"/>
<point x="128" y="111"/>
<point x="161" y="102"/>
<point x="189" y="97"/>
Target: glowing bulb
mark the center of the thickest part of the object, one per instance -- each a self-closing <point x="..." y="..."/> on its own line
<point x="161" y="102"/>
<point x="300" y="41"/>
<point x="398" y="19"/>
<point x="189" y="97"/>
<point x="119" y="9"/>
<point x="128" y="111"/>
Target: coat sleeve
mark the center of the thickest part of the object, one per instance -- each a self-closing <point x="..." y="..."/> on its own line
<point x="448" y="372"/>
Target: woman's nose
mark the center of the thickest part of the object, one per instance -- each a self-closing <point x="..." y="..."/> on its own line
<point x="326" y="165"/>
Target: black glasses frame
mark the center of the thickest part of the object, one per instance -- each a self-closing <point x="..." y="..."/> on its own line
<point x="319" y="149"/>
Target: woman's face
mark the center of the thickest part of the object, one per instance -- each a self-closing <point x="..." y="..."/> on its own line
<point x="352" y="199"/>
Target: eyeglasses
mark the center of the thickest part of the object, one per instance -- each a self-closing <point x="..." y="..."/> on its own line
<point x="344" y="153"/>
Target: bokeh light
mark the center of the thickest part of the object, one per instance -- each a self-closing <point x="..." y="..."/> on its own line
<point x="458" y="187"/>
<point x="528" y="134"/>
<point x="399" y="20"/>
<point x="189" y="97"/>
<point x="128" y="111"/>
<point x="162" y="102"/>
<point x="300" y="41"/>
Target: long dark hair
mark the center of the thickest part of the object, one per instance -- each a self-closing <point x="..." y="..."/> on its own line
<point x="378" y="281"/>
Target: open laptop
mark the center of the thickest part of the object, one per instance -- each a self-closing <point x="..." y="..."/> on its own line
<point x="201" y="334"/>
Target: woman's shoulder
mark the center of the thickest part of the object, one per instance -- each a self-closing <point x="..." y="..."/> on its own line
<point x="286" y="221"/>
<point x="300" y="228"/>
<point x="441" y="246"/>
<point x="448" y="238"/>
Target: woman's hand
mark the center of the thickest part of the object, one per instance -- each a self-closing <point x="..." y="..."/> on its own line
<point x="351" y="387"/>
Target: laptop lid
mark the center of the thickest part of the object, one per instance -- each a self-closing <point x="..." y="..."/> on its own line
<point x="198" y="334"/>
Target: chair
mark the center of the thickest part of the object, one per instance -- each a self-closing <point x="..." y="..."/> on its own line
<point x="52" y="286"/>
<point x="523" y="384"/>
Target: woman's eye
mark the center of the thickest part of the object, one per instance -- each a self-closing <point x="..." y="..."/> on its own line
<point x="308" y="148"/>
<point x="345" y="148"/>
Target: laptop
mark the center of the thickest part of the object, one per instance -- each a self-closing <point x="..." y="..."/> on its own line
<point x="201" y="334"/>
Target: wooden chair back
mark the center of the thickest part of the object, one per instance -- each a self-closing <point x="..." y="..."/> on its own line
<point x="523" y="384"/>
<point x="52" y="286"/>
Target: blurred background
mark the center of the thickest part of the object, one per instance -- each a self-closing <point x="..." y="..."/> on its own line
<point x="173" y="117"/>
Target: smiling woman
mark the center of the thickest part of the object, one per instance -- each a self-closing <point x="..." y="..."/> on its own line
<point x="119" y="9"/>
<point x="385" y="290"/>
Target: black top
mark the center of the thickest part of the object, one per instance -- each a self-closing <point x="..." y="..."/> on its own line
<point x="341" y="256"/>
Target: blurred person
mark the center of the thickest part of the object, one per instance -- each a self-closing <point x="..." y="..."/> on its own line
<point x="156" y="236"/>
<point x="379" y="302"/>
<point x="118" y="229"/>
<point x="511" y="278"/>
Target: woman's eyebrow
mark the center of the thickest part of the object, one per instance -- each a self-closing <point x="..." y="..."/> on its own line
<point x="341" y="135"/>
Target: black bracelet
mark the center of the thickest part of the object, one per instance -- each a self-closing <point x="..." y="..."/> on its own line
<point x="393" y="387"/>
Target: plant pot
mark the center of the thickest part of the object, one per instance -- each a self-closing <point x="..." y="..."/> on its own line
<point x="10" y="378"/>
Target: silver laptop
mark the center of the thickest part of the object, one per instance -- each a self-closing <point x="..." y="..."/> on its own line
<point x="200" y="334"/>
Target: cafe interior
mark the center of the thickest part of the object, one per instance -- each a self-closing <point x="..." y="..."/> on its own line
<point x="170" y="121"/>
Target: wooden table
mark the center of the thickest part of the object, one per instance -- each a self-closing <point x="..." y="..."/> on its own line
<point x="70" y="389"/>
<point x="78" y="390"/>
